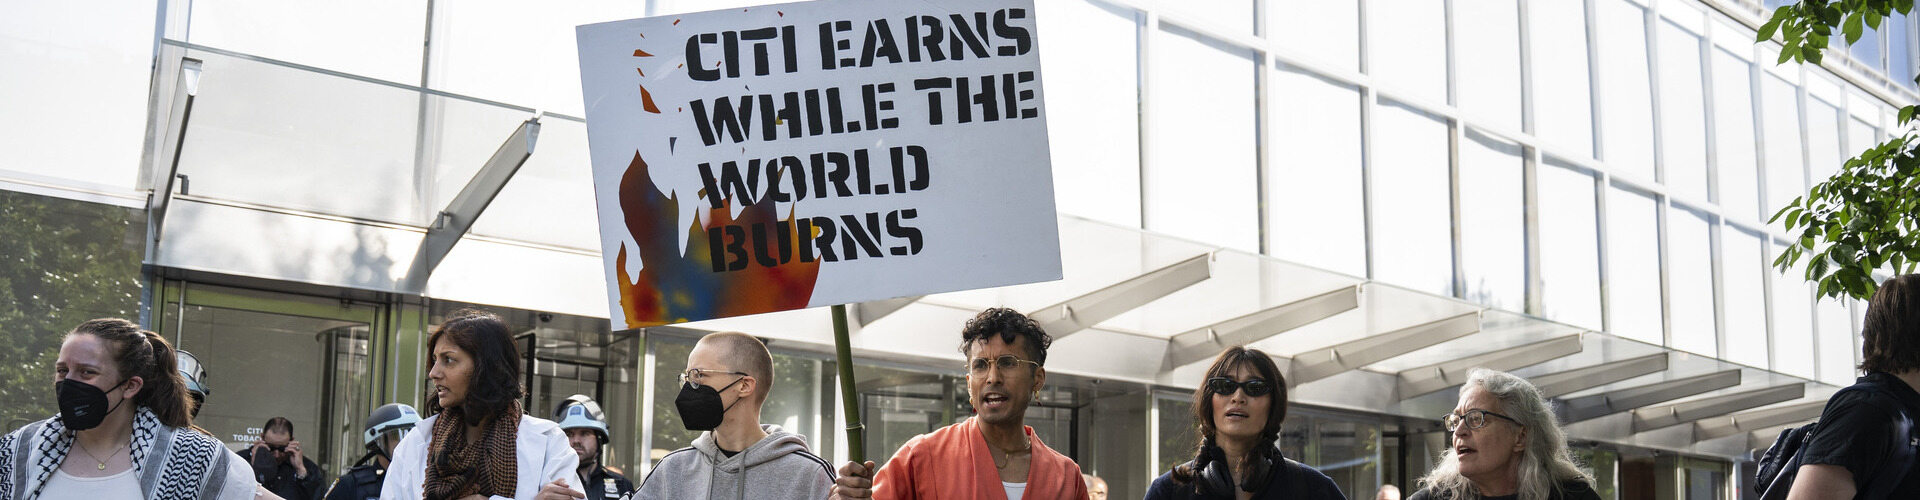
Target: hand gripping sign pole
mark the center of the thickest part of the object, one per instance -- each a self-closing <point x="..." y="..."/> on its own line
<point x="843" y="352"/>
<point x="820" y="153"/>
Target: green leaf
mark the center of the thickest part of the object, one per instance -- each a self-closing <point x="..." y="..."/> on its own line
<point x="1906" y="114"/>
<point x="1873" y="19"/>
<point x="1767" y="30"/>
<point x="1851" y="28"/>
<point x="1788" y="52"/>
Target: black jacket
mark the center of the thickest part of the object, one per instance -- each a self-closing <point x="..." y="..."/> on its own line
<point x="1292" y="481"/>
<point x="278" y="478"/>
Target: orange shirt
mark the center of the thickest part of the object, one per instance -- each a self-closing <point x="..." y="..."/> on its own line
<point x="953" y="463"/>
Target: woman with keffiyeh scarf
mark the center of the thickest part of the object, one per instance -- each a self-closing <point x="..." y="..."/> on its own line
<point x="480" y="444"/>
<point x="100" y="446"/>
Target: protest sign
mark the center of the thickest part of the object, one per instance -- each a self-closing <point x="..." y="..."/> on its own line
<point x="796" y="155"/>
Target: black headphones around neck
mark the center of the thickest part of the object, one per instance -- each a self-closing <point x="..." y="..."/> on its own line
<point x="1216" y="478"/>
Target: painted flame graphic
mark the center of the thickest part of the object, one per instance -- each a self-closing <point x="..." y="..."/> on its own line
<point x="673" y="288"/>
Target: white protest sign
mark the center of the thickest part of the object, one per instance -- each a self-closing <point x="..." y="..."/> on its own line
<point x="817" y="153"/>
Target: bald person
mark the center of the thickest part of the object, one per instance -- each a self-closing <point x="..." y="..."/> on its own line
<point x="728" y="377"/>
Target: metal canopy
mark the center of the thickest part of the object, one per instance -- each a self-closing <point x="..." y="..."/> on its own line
<point x="1322" y="363"/>
<point x="1203" y="343"/>
<point x="1135" y="307"/>
<point x="1558" y="384"/>
<point x="872" y="310"/>
<point x="1078" y="313"/>
<point x="1599" y="405"/>
<point x="1657" y="417"/>
<point x="453" y="222"/>
<point x="1763" y="420"/>
<point x="1431" y="378"/>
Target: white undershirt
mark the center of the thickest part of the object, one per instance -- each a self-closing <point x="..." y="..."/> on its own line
<point x="63" y="485"/>
<point x="1014" y="490"/>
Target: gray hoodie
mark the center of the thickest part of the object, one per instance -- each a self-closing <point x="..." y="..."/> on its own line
<point x="779" y="466"/>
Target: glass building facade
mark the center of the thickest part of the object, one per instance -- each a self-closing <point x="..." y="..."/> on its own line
<point x="1582" y="184"/>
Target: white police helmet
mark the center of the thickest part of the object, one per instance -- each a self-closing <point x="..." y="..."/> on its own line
<point x="388" y="418"/>
<point x="580" y="412"/>
<point x="194" y="373"/>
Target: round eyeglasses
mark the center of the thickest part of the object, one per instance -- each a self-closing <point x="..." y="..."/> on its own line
<point x="1004" y="362"/>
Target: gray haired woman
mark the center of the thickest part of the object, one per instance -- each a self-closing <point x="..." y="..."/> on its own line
<point x="1506" y="445"/>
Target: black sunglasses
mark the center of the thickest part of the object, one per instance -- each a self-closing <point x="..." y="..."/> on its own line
<point x="1226" y="386"/>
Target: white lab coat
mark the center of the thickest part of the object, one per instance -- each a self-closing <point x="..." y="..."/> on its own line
<point x="543" y="456"/>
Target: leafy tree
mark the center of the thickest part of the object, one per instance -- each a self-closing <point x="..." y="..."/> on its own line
<point x="62" y="262"/>
<point x="1866" y="217"/>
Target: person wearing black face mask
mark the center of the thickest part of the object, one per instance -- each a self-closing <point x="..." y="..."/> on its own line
<point x="123" y="409"/>
<point x="728" y="378"/>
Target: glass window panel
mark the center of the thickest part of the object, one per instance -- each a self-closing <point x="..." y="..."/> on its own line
<point x="1179" y="435"/>
<point x="685" y="6"/>
<point x="1682" y="112"/>
<point x="1866" y="50"/>
<point x="1202" y="175"/>
<point x="1740" y="295"/>
<point x="1734" y="147"/>
<point x="1899" y="53"/>
<point x="1861" y="135"/>
<point x="1786" y="174"/>
<point x="1633" y="266"/>
<point x="67" y="262"/>
<point x="75" y="87"/>
<point x="1233" y="17"/>
<point x="794" y="403"/>
<point x="1626" y="113"/>
<point x="666" y="430"/>
<point x="1823" y="140"/>
<point x="1562" y="111"/>
<point x="1489" y="80"/>
<point x="1792" y="320"/>
<point x="1492" y="223"/>
<point x="1407" y="49"/>
<point x="1091" y="63"/>
<point x="1317" y="123"/>
<point x="538" y="67"/>
<point x="326" y="136"/>
<point x="1412" y="234"/>
<point x="550" y="199"/>
<point x="385" y="43"/>
<point x="1569" y="246"/>
<point x="1836" y="342"/>
<point x="1325" y="31"/>
<point x="1348" y="453"/>
<point x="1690" y="282"/>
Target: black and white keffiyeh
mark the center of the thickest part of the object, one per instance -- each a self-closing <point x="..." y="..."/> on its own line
<point x="172" y="463"/>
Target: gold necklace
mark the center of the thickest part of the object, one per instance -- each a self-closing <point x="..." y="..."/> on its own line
<point x="1009" y="455"/>
<point x="102" y="464"/>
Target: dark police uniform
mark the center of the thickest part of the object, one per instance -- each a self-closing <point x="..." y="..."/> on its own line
<point x="603" y="484"/>
<point x="358" y="483"/>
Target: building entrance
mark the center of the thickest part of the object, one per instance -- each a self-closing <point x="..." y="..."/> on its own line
<point x="270" y="354"/>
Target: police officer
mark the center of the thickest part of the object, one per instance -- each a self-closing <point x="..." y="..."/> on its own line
<point x="385" y="427"/>
<point x="586" y="430"/>
<point x="196" y="376"/>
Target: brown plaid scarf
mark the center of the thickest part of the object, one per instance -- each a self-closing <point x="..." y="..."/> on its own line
<point x="456" y="468"/>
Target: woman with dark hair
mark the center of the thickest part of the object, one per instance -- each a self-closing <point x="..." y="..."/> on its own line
<point x="123" y="449"/>
<point x="1239" y="407"/>
<point x="480" y="443"/>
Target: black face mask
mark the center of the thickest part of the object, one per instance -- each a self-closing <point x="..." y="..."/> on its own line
<point x="83" y="406"/>
<point x="700" y="407"/>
